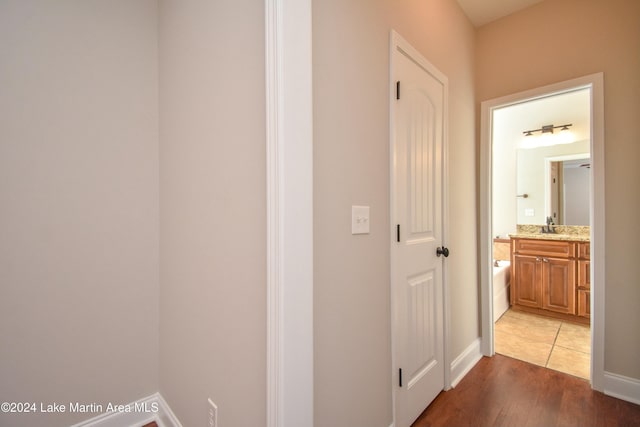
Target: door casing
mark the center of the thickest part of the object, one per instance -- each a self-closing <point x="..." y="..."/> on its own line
<point x="594" y="82"/>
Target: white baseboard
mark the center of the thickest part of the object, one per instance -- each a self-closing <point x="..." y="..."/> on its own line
<point x="135" y="414"/>
<point x="622" y="387"/>
<point x="465" y="361"/>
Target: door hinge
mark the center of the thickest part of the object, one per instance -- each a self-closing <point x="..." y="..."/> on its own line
<point x="398" y="233"/>
<point x="400" y="376"/>
<point x="398" y="89"/>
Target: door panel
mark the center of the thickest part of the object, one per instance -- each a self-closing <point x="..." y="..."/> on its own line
<point x="420" y="137"/>
<point x="421" y="350"/>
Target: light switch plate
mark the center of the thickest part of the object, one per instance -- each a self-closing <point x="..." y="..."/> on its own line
<point x="360" y="220"/>
<point x="529" y="212"/>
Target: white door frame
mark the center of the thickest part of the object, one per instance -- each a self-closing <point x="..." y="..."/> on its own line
<point x="594" y="82"/>
<point x="398" y="42"/>
<point x="289" y="139"/>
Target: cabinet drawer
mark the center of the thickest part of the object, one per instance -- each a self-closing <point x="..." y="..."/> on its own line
<point x="584" y="251"/>
<point x="557" y="249"/>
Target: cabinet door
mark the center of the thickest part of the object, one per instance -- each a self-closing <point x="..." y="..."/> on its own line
<point x="584" y="303"/>
<point x="527" y="289"/>
<point x="584" y="285"/>
<point x="584" y="275"/>
<point x="558" y="285"/>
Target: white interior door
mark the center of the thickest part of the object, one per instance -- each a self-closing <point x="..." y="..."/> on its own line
<point x="418" y="114"/>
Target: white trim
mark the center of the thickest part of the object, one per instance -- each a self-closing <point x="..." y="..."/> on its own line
<point x="622" y="387"/>
<point x="392" y="293"/>
<point x="595" y="82"/>
<point x="289" y="213"/>
<point x="597" y="232"/>
<point x="398" y="42"/>
<point x="486" y="228"/>
<point x="445" y="234"/>
<point x="164" y="416"/>
<point x="465" y="362"/>
<point x="273" y="74"/>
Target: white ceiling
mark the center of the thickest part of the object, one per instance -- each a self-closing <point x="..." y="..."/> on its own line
<point x="482" y="12"/>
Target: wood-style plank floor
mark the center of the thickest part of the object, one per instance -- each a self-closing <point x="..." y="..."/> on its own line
<point x="501" y="391"/>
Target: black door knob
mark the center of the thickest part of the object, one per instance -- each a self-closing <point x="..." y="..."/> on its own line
<point x="442" y="251"/>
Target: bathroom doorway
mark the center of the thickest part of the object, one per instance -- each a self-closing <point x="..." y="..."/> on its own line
<point x="510" y="200"/>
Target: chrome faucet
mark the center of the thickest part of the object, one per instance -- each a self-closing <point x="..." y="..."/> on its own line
<point x="549" y="229"/>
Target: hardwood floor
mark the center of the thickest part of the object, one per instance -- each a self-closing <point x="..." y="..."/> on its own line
<point x="501" y="391"/>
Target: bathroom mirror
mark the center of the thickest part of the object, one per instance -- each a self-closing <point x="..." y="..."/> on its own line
<point x="553" y="181"/>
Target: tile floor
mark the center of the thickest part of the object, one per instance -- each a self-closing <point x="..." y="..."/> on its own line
<point x="544" y="341"/>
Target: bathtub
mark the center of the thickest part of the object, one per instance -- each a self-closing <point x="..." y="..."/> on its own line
<point x="501" y="280"/>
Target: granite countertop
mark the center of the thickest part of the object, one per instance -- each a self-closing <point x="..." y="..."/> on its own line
<point x="572" y="233"/>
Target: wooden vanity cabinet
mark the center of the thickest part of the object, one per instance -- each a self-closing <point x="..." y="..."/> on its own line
<point x="544" y="275"/>
<point x="584" y="280"/>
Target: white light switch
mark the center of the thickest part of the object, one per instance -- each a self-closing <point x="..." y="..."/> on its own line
<point x="360" y="219"/>
<point x="529" y="212"/>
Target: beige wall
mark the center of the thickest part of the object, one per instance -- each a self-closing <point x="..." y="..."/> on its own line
<point x="213" y="227"/>
<point x="79" y="167"/>
<point x="79" y="204"/>
<point x="563" y="39"/>
<point x="351" y="167"/>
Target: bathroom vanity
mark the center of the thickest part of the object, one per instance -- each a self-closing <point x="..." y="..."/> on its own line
<point x="550" y="274"/>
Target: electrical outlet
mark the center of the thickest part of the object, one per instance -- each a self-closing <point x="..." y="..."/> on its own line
<point x="213" y="414"/>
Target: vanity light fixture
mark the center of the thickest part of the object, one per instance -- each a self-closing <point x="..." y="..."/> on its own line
<point x="546" y="136"/>
<point x="547" y="129"/>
